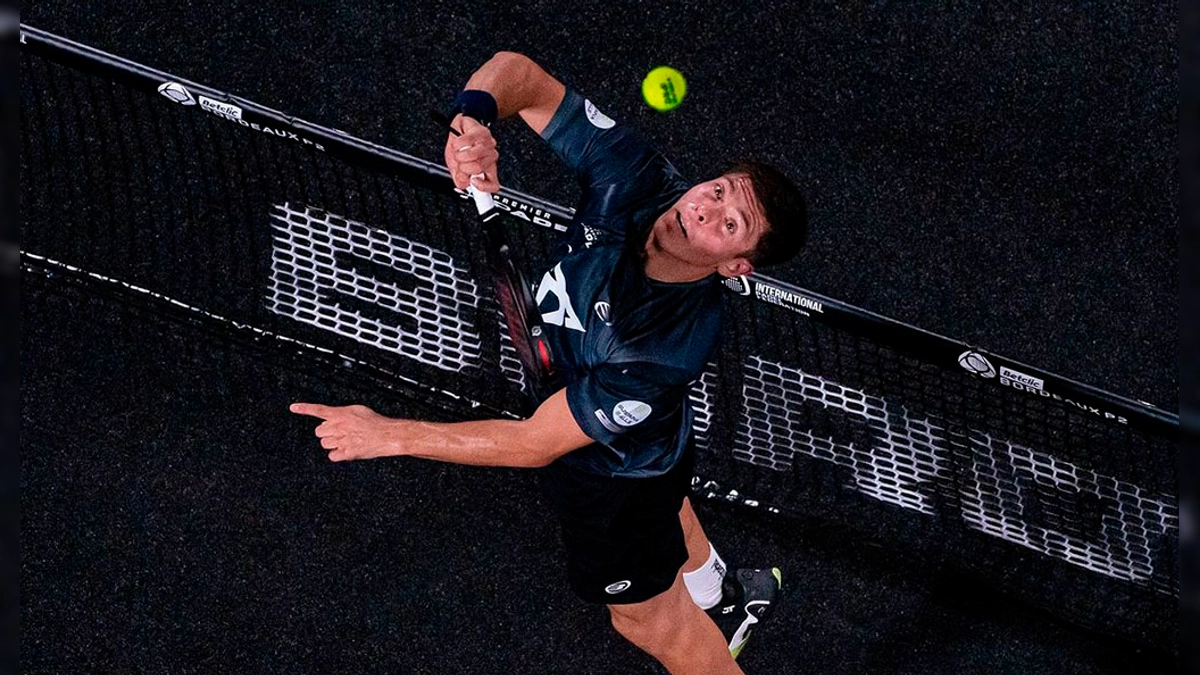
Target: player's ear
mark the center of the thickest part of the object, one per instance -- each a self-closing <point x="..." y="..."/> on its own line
<point x="735" y="267"/>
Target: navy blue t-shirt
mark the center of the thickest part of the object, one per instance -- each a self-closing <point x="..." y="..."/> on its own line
<point x="628" y="346"/>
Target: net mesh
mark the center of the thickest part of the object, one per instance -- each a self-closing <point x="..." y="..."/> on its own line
<point x="246" y="227"/>
<point x="309" y="265"/>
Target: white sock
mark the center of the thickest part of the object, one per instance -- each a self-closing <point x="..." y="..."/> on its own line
<point x="705" y="583"/>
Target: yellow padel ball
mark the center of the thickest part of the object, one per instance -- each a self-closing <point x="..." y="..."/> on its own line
<point x="664" y="88"/>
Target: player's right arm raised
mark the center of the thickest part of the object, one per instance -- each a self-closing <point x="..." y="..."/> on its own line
<point x="518" y="86"/>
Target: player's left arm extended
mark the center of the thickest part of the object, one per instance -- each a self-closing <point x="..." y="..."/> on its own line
<point x="357" y="432"/>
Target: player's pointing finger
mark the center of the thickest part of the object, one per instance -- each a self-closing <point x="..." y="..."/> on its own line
<point x="312" y="409"/>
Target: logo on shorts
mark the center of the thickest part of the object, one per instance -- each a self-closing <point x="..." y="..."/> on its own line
<point x="629" y="413"/>
<point x="977" y="364"/>
<point x="619" y="587"/>
<point x="597" y="118"/>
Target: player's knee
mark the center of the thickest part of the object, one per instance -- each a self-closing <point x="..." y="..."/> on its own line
<point x="623" y="621"/>
<point x="627" y="621"/>
<point x="642" y="624"/>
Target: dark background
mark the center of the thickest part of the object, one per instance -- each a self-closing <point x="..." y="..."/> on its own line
<point x="175" y="519"/>
<point x="1005" y="176"/>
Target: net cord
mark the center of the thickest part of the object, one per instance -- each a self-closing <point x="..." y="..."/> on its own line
<point x="893" y="333"/>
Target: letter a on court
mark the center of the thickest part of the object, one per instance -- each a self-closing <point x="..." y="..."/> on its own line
<point x="554" y="282"/>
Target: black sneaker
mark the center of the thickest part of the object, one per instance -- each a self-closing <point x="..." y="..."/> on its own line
<point x="747" y="599"/>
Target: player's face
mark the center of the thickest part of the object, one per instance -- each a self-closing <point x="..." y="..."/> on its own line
<point x="715" y="224"/>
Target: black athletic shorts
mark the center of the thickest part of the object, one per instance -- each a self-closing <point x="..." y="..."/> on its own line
<point x="623" y="538"/>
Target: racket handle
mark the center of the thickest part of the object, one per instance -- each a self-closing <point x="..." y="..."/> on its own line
<point x="484" y="201"/>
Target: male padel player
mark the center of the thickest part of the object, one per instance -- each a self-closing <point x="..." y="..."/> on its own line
<point x="632" y="311"/>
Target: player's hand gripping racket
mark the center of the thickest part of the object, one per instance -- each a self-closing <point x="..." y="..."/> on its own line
<point x="513" y="293"/>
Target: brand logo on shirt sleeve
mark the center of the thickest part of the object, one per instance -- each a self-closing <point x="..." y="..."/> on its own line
<point x="606" y="422"/>
<point x="597" y="118"/>
<point x="629" y="413"/>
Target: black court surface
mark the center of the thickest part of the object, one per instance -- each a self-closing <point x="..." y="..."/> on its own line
<point x="1004" y="177"/>
<point x="177" y="519"/>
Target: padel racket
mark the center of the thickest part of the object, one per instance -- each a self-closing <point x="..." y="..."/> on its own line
<point x="513" y="294"/>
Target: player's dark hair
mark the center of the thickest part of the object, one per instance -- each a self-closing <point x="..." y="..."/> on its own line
<point x="784" y="207"/>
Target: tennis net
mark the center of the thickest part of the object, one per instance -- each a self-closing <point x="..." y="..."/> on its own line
<point x="200" y="207"/>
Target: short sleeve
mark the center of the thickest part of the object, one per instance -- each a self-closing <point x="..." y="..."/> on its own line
<point x="616" y="402"/>
<point x="625" y="182"/>
<point x="597" y="149"/>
